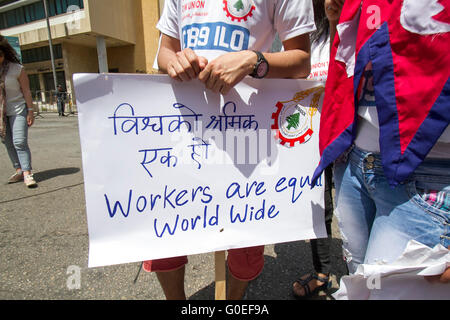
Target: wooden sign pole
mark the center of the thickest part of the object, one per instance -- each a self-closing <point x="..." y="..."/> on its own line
<point x="221" y="277"/>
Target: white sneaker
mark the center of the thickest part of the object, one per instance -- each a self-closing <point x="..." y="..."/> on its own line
<point x="29" y="181"/>
<point x="16" y="177"/>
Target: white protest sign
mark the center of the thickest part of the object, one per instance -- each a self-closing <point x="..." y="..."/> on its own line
<point x="173" y="169"/>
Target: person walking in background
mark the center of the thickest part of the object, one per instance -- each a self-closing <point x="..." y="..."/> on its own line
<point x="61" y="96"/>
<point x="326" y="16"/>
<point x="17" y="113"/>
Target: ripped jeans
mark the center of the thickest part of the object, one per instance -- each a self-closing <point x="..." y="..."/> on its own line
<point x="376" y="221"/>
<point x="16" y="141"/>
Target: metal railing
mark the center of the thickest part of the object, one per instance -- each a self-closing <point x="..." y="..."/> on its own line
<point x="46" y="101"/>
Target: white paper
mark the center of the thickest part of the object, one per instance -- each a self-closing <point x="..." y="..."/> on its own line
<point x="166" y="171"/>
<point x="400" y="280"/>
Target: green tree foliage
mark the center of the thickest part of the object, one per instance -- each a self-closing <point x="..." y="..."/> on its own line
<point x="239" y="5"/>
<point x="293" y="121"/>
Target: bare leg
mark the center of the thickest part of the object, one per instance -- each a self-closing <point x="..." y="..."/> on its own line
<point x="172" y="283"/>
<point x="236" y="288"/>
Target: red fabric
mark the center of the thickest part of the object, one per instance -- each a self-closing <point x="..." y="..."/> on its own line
<point x="164" y="265"/>
<point x="418" y="70"/>
<point x="247" y="263"/>
<point x="411" y="87"/>
<point x="244" y="264"/>
<point x="338" y="90"/>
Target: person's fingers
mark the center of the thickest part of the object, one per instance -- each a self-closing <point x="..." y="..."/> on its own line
<point x="186" y="66"/>
<point x="445" y="277"/>
<point x="204" y="75"/>
<point x="432" y="279"/>
<point x="217" y="86"/>
<point x="193" y="60"/>
<point x="225" y="89"/>
<point x="202" y="62"/>
<point x="442" y="278"/>
<point x="171" y="72"/>
<point x="179" y="70"/>
<point x="211" y="82"/>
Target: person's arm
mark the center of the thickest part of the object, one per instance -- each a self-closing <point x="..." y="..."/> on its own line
<point x="182" y="65"/>
<point x="294" y="62"/>
<point x="224" y="72"/>
<point x="25" y="87"/>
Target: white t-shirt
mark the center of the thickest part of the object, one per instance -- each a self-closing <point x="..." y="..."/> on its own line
<point x="213" y="27"/>
<point x="320" y="59"/>
<point x="368" y="136"/>
<point x="15" y="102"/>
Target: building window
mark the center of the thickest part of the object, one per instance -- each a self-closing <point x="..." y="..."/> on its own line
<point x="35" y="11"/>
<point x="41" y="54"/>
<point x="35" y="85"/>
<point x="5" y="2"/>
<point x="49" y="83"/>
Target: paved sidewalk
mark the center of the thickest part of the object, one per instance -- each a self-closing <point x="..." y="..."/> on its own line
<point x="44" y="235"/>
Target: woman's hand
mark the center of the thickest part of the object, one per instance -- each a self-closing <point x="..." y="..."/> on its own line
<point x="25" y="87"/>
<point x="30" y="117"/>
<point x="442" y="278"/>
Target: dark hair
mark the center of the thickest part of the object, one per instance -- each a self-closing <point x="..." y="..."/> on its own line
<point x="321" y="20"/>
<point x="8" y="50"/>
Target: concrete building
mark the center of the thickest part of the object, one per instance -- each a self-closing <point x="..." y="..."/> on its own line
<point x="87" y="36"/>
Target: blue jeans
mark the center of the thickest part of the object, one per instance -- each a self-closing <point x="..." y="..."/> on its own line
<point x="16" y="141"/>
<point x="376" y="221"/>
<point x="61" y="106"/>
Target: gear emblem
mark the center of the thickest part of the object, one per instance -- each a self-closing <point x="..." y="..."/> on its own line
<point x="238" y="9"/>
<point x="292" y="121"/>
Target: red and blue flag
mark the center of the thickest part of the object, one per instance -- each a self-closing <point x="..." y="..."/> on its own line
<point x="408" y="44"/>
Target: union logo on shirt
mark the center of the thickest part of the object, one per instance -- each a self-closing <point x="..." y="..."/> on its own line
<point x="238" y="9"/>
<point x="192" y="5"/>
<point x="193" y="8"/>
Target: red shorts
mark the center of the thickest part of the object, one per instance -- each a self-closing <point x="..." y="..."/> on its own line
<point x="244" y="264"/>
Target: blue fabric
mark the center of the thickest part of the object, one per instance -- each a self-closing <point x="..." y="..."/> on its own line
<point x="377" y="221"/>
<point x="397" y="166"/>
<point x="16" y="141"/>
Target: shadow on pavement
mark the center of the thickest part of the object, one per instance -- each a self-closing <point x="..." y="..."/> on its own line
<point x="292" y="260"/>
<point x="52" y="173"/>
<point x="207" y="293"/>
